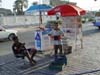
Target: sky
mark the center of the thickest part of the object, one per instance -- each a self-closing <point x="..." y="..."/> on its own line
<point x="85" y="4"/>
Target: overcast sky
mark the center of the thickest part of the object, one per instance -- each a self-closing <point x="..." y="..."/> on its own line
<point x="85" y="4"/>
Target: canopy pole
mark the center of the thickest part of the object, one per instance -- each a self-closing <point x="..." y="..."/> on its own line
<point x="81" y="39"/>
<point x="81" y="33"/>
<point x="75" y="35"/>
<point x="40" y="18"/>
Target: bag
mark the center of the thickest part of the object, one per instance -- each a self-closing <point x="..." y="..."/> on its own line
<point x="57" y="37"/>
<point x="54" y="66"/>
<point x="58" y="63"/>
<point x="68" y="50"/>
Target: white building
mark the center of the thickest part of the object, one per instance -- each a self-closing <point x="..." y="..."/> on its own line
<point x="45" y="1"/>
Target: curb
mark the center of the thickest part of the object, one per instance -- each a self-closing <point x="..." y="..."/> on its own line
<point x="18" y="26"/>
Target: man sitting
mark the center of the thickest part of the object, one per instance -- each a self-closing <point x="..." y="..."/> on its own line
<point x="19" y="48"/>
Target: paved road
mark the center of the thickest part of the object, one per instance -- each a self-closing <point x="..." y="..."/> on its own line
<point x="25" y="35"/>
<point x="84" y="61"/>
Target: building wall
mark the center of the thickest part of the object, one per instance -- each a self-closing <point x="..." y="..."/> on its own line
<point x="59" y="2"/>
<point x="23" y="20"/>
<point x="5" y="12"/>
<point x="46" y="2"/>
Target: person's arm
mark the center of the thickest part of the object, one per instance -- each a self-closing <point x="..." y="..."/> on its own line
<point x="61" y="33"/>
<point x="51" y="34"/>
<point x="13" y="47"/>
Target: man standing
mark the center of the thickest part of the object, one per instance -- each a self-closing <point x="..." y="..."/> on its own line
<point x="56" y="34"/>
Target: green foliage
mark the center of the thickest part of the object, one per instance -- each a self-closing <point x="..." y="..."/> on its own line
<point x="19" y="5"/>
<point x="91" y="19"/>
<point x="54" y="21"/>
<point x="88" y="19"/>
<point x="59" y="22"/>
<point x="34" y="3"/>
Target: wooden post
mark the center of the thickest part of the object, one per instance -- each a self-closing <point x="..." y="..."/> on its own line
<point x="75" y="34"/>
<point x="81" y="39"/>
<point x="80" y="32"/>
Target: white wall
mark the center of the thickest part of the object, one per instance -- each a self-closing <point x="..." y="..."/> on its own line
<point x="23" y="20"/>
<point x="46" y="2"/>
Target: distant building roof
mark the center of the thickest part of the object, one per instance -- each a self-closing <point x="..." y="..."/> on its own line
<point x="5" y="12"/>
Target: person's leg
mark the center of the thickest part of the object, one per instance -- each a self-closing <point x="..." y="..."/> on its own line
<point x="27" y="54"/>
<point x="28" y="57"/>
<point x="60" y="48"/>
<point x="34" y="51"/>
<point x="55" y="49"/>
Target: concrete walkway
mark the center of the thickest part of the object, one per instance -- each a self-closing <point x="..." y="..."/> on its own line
<point x="9" y="65"/>
<point x="84" y="61"/>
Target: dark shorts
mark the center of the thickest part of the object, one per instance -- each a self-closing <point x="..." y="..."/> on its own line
<point x="24" y="51"/>
<point x="57" y="47"/>
<point x="31" y="49"/>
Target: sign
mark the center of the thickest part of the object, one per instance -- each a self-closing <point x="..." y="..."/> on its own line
<point x="42" y="41"/>
<point x="38" y="40"/>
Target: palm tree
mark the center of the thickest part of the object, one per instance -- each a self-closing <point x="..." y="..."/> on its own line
<point x="19" y="5"/>
<point x="34" y="3"/>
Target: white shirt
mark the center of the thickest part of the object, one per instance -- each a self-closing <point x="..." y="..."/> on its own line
<point x="56" y="33"/>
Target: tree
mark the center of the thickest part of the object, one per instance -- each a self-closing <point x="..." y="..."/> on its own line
<point x="19" y="5"/>
<point x="34" y="3"/>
